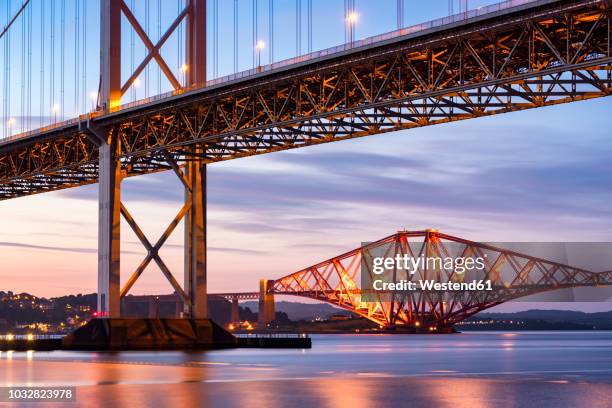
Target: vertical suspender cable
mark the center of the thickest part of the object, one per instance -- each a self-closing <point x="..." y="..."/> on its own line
<point x="22" y="72"/>
<point x="216" y="39"/>
<point x="146" y="70"/>
<point x="346" y="13"/>
<point x="309" y="26"/>
<point x="400" y="14"/>
<point x="271" y="31"/>
<point x="132" y="52"/>
<point x="8" y="68"/>
<point x="5" y="82"/>
<point x="52" y="56"/>
<point x="84" y="88"/>
<point x="235" y="35"/>
<point x="29" y="65"/>
<point x="42" y="61"/>
<point x="77" y="53"/>
<point x="254" y="33"/>
<point x="298" y="27"/>
<point x="62" y="58"/>
<point x="181" y="44"/>
<point x="159" y="12"/>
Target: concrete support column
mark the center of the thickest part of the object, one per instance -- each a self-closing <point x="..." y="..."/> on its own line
<point x="267" y="312"/>
<point x="195" y="241"/>
<point x="109" y="230"/>
<point x="235" y="316"/>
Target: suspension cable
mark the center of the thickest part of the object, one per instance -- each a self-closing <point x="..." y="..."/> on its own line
<point x="298" y="27"/>
<point x="216" y="39"/>
<point x="10" y="23"/>
<point x="84" y="89"/>
<point x="271" y="31"/>
<point x="146" y="70"/>
<point x="134" y="84"/>
<point x="309" y="26"/>
<point x="159" y="12"/>
<point x="42" y="61"/>
<point x="400" y="14"/>
<point x="180" y="40"/>
<point x="63" y="58"/>
<point x="29" y="67"/>
<point x="52" y="106"/>
<point x="22" y="76"/>
<point x="235" y="36"/>
<point x="254" y="33"/>
<point x="77" y="53"/>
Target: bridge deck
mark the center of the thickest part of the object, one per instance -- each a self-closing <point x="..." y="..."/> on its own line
<point x="288" y="64"/>
<point x="504" y="57"/>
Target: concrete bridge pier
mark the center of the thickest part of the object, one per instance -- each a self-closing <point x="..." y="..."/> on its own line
<point x="267" y="311"/>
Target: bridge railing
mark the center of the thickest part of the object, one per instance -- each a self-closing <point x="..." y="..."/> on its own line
<point x="440" y="22"/>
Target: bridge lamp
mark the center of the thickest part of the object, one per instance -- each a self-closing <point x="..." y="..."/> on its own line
<point x="260" y="45"/>
<point x="94" y="99"/>
<point x="136" y="82"/>
<point x="11" y="122"/>
<point x="183" y="72"/>
<point x="55" y="108"/>
<point x="351" y="19"/>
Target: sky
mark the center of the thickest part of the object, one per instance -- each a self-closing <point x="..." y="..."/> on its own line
<point x="536" y="175"/>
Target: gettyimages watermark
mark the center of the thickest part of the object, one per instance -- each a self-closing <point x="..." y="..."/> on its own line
<point x="525" y="271"/>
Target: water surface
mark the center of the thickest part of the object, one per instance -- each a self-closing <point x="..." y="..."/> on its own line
<point x="463" y="370"/>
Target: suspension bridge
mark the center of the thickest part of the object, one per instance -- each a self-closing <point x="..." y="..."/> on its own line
<point x="503" y="57"/>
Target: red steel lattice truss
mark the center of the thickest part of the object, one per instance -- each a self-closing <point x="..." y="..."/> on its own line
<point x="512" y="275"/>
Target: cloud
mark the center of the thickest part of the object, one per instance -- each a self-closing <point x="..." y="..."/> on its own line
<point x="237" y="250"/>
<point x="49" y="248"/>
<point x="55" y="248"/>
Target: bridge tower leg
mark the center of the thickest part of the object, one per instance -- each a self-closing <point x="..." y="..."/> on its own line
<point x="109" y="222"/>
<point x="267" y="312"/>
<point x="195" y="172"/>
<point x="235" y="316"/>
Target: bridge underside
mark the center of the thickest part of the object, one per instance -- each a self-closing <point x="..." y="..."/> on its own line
<point x="513" y="275"/>
<point x="524" y="58"/>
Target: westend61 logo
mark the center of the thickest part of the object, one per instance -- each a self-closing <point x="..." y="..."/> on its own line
<point x="423" y="273"/>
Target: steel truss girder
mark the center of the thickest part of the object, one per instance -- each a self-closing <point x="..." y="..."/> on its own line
<point x="552" y="55"/>
<point x="512" y="274"/>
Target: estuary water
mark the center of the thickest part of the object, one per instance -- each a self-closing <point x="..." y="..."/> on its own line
<point x="472" y="369"/>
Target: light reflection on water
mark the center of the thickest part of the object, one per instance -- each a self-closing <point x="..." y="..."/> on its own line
<point x="470" y="369"/>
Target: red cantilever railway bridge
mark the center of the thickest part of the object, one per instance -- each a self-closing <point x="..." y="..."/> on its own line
<point x="513" y="275"/>
<point x="511" y="56"/>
